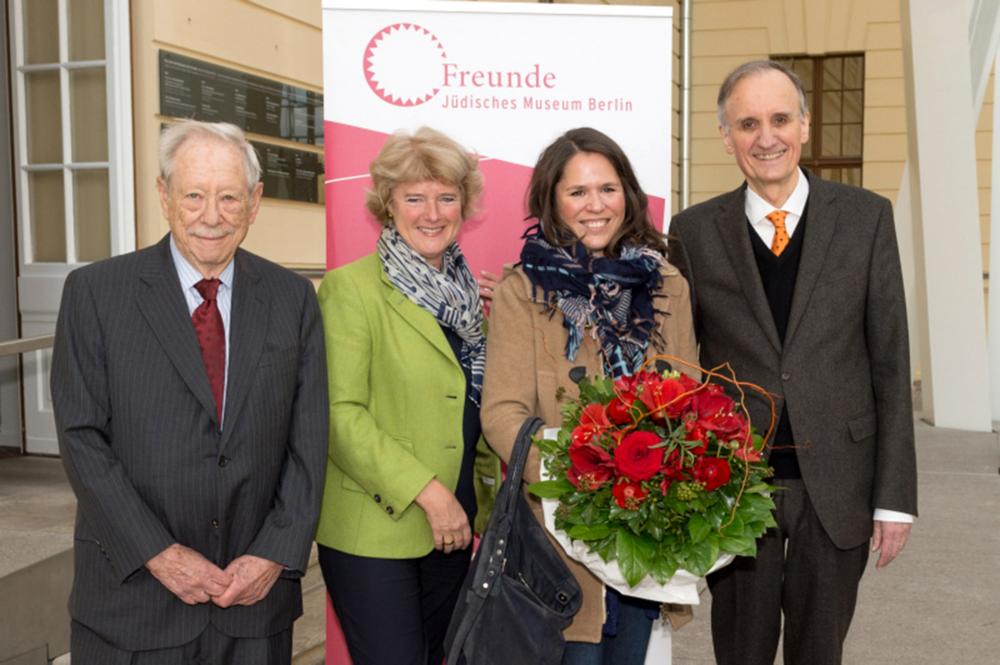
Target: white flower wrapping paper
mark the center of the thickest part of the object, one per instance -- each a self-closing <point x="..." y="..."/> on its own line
<point x="681" y="589"/>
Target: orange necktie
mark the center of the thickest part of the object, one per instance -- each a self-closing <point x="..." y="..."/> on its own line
<point x="780" y="241"/>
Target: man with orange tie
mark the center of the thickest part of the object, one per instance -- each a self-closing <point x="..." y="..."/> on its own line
<point x="796" y="282"/>
<point x="189" y="391"/>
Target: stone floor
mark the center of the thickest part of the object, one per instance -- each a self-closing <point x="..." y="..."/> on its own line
<point x="939" y="602"/>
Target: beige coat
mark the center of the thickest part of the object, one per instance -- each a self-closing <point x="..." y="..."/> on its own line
<point x="526" y="368"/>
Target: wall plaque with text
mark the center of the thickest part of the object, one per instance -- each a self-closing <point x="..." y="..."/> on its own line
<point x="191" y="88"/>
<point x="294" y="175"/>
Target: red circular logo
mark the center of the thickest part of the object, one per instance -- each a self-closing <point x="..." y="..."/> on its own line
<point x="403" y="64"/>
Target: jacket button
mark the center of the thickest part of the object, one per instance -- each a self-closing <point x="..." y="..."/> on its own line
<point x="389" y="509"/>
<point x="785" y="376"/>
<point x="377" y="498"/>
<point x="215" y="524"/>
<point x="223" y="461"/>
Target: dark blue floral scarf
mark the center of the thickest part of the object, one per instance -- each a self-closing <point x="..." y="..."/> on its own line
<point x="615" y="296"/>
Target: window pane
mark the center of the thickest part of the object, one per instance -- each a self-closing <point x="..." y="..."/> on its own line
<point x="854" y="72"/>
<point x="88" y="106"/>
<point x="807" y="149"/>
<point x="833" y="78"/>
<point x="852" y="176"/>
<point x="830" y="174"/>
<point x="41" y="31"/>
<point x="831" y="141"/>
<point x="832" y="104"/>
<point x="852" y="140"/>
<point x="48" y="225"/>
<point x="92" y="211"/>
<point x="43" y="117"/>
<point x="804" y="68"/>
<point x="853" y="109"/>
<point x="86" y="29"/>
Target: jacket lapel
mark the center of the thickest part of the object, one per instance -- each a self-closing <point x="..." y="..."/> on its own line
<point x="821" y="226"/>
<point x="163" y="306"/>
<point x="417" y="317"/>
<point x="731" y="222"/>
<point x="248" y="329"/>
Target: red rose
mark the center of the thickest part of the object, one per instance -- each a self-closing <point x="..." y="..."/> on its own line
<point x="635" y="459"/>
<point x="620" y="409"/>
<point x="593" y="422"/>
<point x="712" y="472"/>
<point x="628" y="495"/>
<point x="591" y="467"/>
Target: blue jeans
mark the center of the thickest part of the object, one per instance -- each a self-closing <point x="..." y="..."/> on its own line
<point x="628" y="647"/>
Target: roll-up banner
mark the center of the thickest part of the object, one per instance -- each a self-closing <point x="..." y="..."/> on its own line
<point x="502" y="79"/>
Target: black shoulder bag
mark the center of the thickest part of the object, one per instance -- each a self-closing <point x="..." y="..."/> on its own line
<point x="519" y="595"/>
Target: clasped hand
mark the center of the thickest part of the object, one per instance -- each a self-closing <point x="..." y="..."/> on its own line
<point x="194" y="579"/>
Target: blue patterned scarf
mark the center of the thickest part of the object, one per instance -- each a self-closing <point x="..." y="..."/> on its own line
<point x="615" y="296"/>
<point x="451" y="295"/>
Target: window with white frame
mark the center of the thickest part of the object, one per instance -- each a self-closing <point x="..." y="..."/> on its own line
<point x="72" y="129"/>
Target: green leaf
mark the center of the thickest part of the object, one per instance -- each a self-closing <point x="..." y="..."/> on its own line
<point x="739" y="546"/>
<point x="663" y="567"/>
<point x="698" y="528"/>
<point x="589" y="531"/>
<point x="551" y="489"/>
<point x="634" y="555"/>
<point x="702" y="557"/>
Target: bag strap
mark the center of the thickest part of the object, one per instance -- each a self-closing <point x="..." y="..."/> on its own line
<point x="515" y="467"/>
<point x="488" y="566"/>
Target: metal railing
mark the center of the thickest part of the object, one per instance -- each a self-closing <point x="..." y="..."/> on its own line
<point x="14" y="347"/>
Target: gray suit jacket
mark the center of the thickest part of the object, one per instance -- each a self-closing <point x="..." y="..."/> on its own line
<point x="843" y="368"/>
<point x="140" y="440"/>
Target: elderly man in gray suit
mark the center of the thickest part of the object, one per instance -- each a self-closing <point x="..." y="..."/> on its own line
<point x="797" y="284"/>
<point x="189" y="390"/>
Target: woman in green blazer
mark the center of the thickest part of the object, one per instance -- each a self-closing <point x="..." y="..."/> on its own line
<point x="406" y="352"/>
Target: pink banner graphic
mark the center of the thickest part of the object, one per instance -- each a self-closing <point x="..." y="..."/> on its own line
<point x="489" y="239"/>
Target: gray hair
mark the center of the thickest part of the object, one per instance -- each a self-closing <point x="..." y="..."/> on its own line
<point x="750" y="69"/>
<point x="174" y="136"/>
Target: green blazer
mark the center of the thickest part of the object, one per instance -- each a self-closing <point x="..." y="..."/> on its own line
<point x="397" y="395"/>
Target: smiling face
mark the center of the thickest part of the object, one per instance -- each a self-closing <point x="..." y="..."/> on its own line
<point x="590" y="200"/>
<point x="428" y="216"/>
<point x="765" y="132"/>
<point x="207" y="203"/>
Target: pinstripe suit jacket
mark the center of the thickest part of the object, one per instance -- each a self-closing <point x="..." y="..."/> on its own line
<point x="141" y="443"/>
<point x="843" y="367"/>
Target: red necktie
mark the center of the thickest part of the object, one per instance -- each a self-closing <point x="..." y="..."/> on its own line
<point x="780" y="241"/>
<point x="211" y="338"/>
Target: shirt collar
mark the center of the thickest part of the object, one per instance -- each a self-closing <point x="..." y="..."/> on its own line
<point x="757" y="208"/>
<point x="189" y="275"/>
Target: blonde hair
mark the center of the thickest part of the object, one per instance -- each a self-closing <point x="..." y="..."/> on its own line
<point x="427" y="154"/>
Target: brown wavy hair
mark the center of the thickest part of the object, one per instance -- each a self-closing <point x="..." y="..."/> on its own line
<point x="636" y="228"/>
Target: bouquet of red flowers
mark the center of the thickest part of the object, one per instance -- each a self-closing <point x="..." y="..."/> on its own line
<point x="659" y="473"/>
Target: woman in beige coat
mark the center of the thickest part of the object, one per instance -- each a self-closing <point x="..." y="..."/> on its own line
<point x="594" y="291"/>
